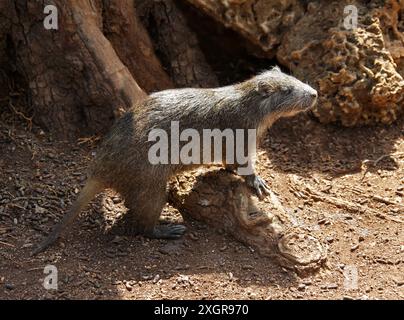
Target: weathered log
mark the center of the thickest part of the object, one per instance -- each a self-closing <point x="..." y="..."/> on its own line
<point x="223" y="201"/>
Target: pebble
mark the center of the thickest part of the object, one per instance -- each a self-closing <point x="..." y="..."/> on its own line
<point x="128" y="286"/>
<point x="247" y="267"/>
<point x="223" y="248"/>
<point x="193" y="236"/>
<point x="116" y="200"/>
<point x="156" y="278"/>
<point x="301" y="287"/>
<point x="332" y="286"/>
<point x="356" y="246"/>
<point x="9" y="286"/>
<point x="39" y="209"/>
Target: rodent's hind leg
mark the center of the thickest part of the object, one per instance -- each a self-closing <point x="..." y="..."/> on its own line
<point x="145" y="207"/>
<point x="259" y="184"/>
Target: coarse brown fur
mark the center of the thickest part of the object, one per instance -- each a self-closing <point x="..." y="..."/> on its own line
<point x="122" y="161"/>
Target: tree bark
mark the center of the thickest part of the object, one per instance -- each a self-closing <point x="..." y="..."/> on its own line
<point x="176" y="44"/>
<point x="133" y="45"/>
<point x="77" y="83"/>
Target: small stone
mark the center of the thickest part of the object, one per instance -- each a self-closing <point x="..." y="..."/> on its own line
<point x="39" y="209"/>
<point x="193" y="236"/>
<point x="182" y="279"/>
<point x="329" y="239"/>
<point x="301" y="287"/>
<point x="9" y="286"/>
<point x="356" y="246"/>
<point x="247" y="267"/>
<point x="116" y="200"/>
<point x="156" y="278"/>
<point x="361" y="238"/>
<point x="128" y="286"/>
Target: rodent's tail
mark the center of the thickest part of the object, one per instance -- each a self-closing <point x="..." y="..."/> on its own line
<point x="91" y="188"/>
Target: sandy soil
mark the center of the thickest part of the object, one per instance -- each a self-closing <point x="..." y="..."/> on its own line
<point x="40" y="177"/>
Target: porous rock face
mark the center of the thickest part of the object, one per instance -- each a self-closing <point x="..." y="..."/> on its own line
<point x="262" y="22"/>
<point x="358" y="72"/>
<point x="353" y="70"/>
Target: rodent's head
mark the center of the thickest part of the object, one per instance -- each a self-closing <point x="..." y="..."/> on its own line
<point x="282" y="94"/>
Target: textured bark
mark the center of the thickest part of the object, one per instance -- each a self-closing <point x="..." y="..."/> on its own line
<point x="176" y="44"/>
<point x="223" y="201"/>
<point x="77" y="83"/>
<point x="133" y="45"/>
<point x="5" y="29"/>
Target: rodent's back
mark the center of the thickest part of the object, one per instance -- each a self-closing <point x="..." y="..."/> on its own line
<point x="247" y="105"/>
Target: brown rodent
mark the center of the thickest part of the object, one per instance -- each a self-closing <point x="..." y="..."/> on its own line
<point x="122" y="162"/>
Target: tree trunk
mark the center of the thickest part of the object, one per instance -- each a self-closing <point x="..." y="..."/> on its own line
<point x="176" y="44"/>
<point x="133" y="45"/>
<point x="77" y="83"/>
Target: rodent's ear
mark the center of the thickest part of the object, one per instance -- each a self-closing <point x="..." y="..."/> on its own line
<point x="264" y="88"/>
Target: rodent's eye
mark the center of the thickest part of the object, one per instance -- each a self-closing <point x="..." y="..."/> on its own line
<point x="287" y="90"/>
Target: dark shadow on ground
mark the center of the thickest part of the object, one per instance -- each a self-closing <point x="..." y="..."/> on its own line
<point x="303" y="146"/>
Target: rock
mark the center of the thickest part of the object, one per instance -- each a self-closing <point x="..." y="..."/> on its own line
<point x="354" y="70"/>
<point x="39" y="210"/>
<point x="9" y="286"/>
<point x="332" y="286"/>
<point x="156" y="278"/>
<point x="356" y="246"/>
<point x="128" y="286"/>
<point x="301" y="287"/>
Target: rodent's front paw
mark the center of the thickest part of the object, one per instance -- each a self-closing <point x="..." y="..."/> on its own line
<point x="259" y="185"/>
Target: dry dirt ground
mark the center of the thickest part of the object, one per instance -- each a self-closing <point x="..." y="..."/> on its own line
<point x="40" y="177"/>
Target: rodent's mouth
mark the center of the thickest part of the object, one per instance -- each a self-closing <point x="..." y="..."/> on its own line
<point x="311" y="105"/>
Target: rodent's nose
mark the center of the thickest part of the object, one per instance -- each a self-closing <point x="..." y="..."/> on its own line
<point x="313" y="93"/>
